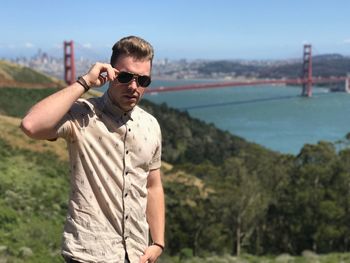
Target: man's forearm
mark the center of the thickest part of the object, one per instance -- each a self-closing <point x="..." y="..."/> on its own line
<point x="42" y="119"/>
<point x="40" y="122"/>
<point x="155" y="215"/>
<point x="156" y="210"/>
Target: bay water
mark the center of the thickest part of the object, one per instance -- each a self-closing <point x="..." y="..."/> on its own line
<point x="276" y="117"/>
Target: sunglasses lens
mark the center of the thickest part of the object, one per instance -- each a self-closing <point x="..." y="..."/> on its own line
<point x="124" y="77"/>
<point x="144" y="81"/>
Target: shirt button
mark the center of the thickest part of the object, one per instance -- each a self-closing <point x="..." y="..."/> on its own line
<point x="126" y="218"/>
<point x="127" y="152"/>
<point x="126" y="173"/>
<point x="129" y="130"/>
<point x="126" y="195"/>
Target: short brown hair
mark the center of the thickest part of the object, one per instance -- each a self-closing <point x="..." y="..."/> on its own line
<point x="133" y="46"/>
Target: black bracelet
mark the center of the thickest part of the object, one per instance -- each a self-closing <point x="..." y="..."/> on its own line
<point x="158" y="245"/>
<point x="82" y="82"/>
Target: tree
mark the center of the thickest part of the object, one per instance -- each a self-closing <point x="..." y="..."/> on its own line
<point x="310" y="204"/>
<point x="190" y="212"/>
<point x="240" y="200"/>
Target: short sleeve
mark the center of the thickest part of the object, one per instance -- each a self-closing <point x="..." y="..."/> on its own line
<point x="65" y="128"/>
<point x="157" y="157"/>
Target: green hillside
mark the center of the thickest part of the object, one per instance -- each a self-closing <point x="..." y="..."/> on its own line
<point x="33" y="202"/>
<point x="33" y="195"/>
<point x="16" y="75"/>
<point x="16" y="102"/>
<point x="224" y="195"/>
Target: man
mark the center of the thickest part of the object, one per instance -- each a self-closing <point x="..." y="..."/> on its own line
<point x="114" y="146"/>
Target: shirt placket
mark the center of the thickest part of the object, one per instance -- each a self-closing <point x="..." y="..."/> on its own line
<point x="127" y="182"/>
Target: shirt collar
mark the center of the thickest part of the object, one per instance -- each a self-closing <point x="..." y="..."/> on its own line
<point x="114" y="110"/>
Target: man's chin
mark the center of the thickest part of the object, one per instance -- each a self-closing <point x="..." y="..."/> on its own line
<point x="129" y="106"/>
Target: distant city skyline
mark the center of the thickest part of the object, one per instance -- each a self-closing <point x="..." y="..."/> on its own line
<point x="181" y="29"/>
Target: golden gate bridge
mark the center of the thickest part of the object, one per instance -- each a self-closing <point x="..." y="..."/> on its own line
<point x="306" y="79"/>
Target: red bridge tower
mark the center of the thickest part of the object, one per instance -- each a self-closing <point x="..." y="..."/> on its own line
<point x="69" y="66"/>
<point x="307" y="72"/>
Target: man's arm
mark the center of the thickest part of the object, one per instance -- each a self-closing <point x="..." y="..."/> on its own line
<point x="42" y="119"/>
<point x="155" y="216"/>
<point x="40" y="122"/>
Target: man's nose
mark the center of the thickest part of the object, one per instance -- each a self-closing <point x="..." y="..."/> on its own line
<point x="133" y="83"/>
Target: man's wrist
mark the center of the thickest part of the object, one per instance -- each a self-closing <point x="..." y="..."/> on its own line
<point x="82" y="82"/>
<point x="158" y="245"/>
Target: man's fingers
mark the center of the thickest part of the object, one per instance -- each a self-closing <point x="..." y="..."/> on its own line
<point x="111" y="74"/>
<point x="143" y="259"/>
<point x="151" y="254"/>
<point x="102" y="79"/>
<point x="105" y="70"/>
<point x="100" y="73"/>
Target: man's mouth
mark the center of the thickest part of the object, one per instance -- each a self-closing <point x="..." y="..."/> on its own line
<point x="131" y="97"/>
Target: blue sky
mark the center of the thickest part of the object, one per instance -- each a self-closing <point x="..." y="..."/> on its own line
<point x="191" y="29"/>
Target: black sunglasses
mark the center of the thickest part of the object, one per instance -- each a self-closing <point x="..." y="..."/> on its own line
<point x="142" y="80"/>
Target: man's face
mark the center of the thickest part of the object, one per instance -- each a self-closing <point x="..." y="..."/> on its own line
<point x="126" y="96"/>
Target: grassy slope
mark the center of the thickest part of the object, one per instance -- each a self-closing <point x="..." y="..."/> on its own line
<point x="25" y="99"/>
<point x="16" y="101"/>
<point x="34" y="190"/>
<point x="33" y="196"/>
<point x="15" y="75"/>
<point x="33" y="175"/>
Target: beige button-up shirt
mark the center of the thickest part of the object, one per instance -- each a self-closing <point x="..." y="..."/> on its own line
<point x="111" y="154"/>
